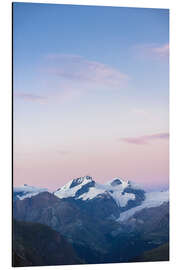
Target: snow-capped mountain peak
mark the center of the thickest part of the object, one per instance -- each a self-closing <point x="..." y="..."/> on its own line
<point x="118" y="182"/>
<point x="81" y="180"/>
<point x="71" y="188"/>
<point x="27" y="191"/>
<point x="85" y="188"/>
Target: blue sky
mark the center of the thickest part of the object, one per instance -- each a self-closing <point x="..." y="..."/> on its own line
<point x="85" y="78"/>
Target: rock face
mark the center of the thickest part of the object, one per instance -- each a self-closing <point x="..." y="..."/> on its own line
<point x="73" y="221"/>
<point x="114" y="222"/>
<point x="47" y="209"/>
<point x="37" y="245"/>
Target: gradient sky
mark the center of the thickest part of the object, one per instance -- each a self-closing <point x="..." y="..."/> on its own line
<point x="91" y="94"/>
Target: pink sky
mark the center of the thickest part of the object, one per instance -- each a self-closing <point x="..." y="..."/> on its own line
<point x="146" y="164"/>
<point x="90" y="98"/>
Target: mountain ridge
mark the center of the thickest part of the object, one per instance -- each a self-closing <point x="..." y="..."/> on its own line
<point x="123" y="195"/>
<point x="93" y="226"/>
<point x="85" y="188"/>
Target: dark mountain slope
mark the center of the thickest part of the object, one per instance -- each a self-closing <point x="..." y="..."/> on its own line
<point x="157" y="254"/>
<point x="86" y="233"/>
<point x="146" y="230"/>
<point x="37" y="245"/>
<point x="152" y="223"/>
<point x="97" y="239"/>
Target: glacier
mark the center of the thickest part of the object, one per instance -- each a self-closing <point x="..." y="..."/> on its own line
<point x="152" y="199"/>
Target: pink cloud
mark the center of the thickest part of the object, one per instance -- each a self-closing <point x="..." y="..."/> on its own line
<point x="153" y="49"/>
<point x="31" y="97"/>
<point x="143" y="140"/>
<point x="78" y="69"/>
<point x="162" y="50"/>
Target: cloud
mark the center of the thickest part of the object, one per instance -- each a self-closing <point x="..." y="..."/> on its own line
<point x="146" y="139"/>
<point x="153" y="50"/>
<point x="162" y="50"/>
<point x="78" y="69"/>
<point x="31" y="97"/>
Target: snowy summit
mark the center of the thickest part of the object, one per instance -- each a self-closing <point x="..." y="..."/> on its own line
<point x="85" y="188"/>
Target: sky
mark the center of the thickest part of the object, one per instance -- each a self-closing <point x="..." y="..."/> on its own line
<point x="90" y="94"/>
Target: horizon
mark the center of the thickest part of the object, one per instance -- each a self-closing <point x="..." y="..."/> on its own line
<point x="90" y="98"/>
<point x="165" y="188"/>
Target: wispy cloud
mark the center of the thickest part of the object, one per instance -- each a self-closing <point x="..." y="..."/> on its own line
<point x="78" y="69"/>
<point x="31" y="97"/>
<point x="162" y="50"/>
<point x="156" y="50"/>
<point x="146" y="139"/>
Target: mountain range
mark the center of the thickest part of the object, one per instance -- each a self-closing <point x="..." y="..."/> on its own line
<point x="113" y="222"/>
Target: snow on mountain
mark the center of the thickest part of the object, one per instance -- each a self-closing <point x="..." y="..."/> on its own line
<point x="116" y="192"/>
<point x="118" y="182"/>
<point x="70" y="189"/>
<point x="85" y="188"/>
<point x="26" y="191"/>
<point x="152" y="199"/>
